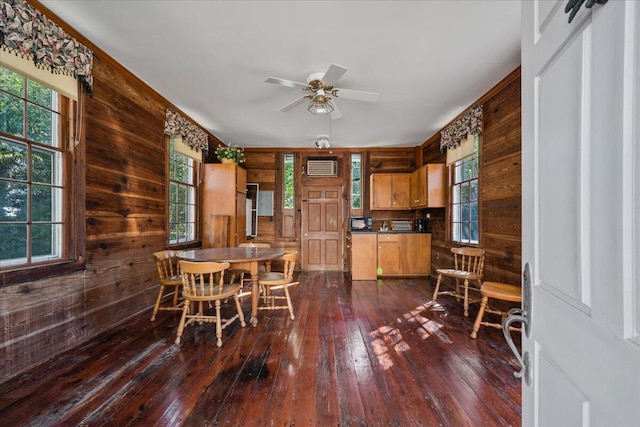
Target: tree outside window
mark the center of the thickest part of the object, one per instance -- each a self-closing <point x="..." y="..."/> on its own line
<point x="182" y="197"/>
<point x="464" y="199"/>
<point x="32" y="193"/>
<point x="356" y="181"/>
<point x="288" y="182"/>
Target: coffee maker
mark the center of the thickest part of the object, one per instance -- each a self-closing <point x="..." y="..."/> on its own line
<point x="421" y="225"/>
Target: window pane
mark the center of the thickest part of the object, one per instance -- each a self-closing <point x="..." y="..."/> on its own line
<point x="474" y="232"/>
<point x="458" y="172"/>
<point x="44" y="242"/>
<point x="474" y="168"/>
<point x="464" y="212"/>
<point x="455" y="212"/>
<point x="466" y="170"/>
<point x="13" y="244"/>
<point x="464" y="227"/>
<point x="14" y="201"/>
<point x="42" y="125"/>
<point x="456" y="231"/>
<point x="11" y="82"/>
<point x="456" y="194"/>
<point x="11" y="115"/>
<point x="13" y="160"/>
<point x="464" y="192"/>
<point x="39" y="94"/>
<point x="288" y="181"/>
<point x="357" y="202"/>
<point x="44" y="169"/>
<point x="474" y="190"/>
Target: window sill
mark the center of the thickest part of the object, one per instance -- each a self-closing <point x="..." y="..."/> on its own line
<point x="37" y="272"/>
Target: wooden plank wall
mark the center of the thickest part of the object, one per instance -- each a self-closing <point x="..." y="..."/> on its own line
<point x="125" y="224"/>
<point x="262" y="164"/>
<point x="500" y="185"/>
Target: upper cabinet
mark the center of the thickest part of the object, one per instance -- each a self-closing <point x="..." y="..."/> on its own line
<point x="427" y="186"/>
<point x="423" y="188"/>
<point x="390" y="191"/>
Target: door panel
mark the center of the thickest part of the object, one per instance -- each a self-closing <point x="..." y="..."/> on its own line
<point x="322" y="235"/>
<point x="580" y="213"/>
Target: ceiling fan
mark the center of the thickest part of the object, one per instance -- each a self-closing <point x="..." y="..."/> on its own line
<point x="322" y="92"/>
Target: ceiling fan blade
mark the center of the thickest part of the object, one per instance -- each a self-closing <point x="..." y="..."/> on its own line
<point x="358" y="95"/>
<point x="293" y="103"/>
<point x="333" y="74"/>
<point x="336" y="113"/>
<point x="286" y="83"/>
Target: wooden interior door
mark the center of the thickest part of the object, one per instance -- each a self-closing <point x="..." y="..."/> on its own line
<point x="322" y="228"/>
<point x="580" y="214"/>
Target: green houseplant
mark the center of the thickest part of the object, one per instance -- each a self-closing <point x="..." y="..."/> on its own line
<point x="231" y="153"/>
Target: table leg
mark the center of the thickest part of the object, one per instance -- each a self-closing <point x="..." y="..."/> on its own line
<point x="255" y="293"/>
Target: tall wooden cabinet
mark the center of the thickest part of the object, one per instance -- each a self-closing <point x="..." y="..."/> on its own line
<point x="224" y="201"/>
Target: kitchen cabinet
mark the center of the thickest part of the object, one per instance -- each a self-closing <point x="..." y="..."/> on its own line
<point x="390" y="191"/>
<point x="389" y="253"/>
<point x="428" y="186"/>
<point x="404" y="254"/>
<point x="362" y="256"/>
<point x="224" y="194"/>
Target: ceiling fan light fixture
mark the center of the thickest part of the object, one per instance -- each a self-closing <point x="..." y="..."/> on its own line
<point x="320" y="105"/>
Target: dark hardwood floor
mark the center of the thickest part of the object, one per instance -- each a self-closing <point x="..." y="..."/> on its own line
<point x="365" y="353"/>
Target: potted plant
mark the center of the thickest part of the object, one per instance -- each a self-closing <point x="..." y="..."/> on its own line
<point x="230" y="154"/>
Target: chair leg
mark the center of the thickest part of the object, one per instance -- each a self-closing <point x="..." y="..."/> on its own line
<point x="476" y="324"/>
<point x="155" y="307"/>
<point x="240" y="313"/>
<point x="185" y="310"/>
<point x="435" y="292"/>
<point x="286" y="293"/>
<point x="175" y="296"/>
<point x="466" y="298"/>
<point x="218" y="325"/>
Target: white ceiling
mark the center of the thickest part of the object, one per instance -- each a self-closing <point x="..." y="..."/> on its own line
<point x="428" y="60"/>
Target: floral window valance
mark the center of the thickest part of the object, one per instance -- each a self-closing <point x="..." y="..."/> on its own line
<point x="195" y="137"/>
<point x="26" y="32"/>
<point x="470" y="123"/>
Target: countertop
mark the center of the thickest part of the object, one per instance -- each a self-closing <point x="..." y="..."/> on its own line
<point x="388" y="232"/>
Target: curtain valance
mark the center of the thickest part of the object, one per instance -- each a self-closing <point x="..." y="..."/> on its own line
<point x="176" y="125"/>
<point x="470" y="123"/>
<point x="26" y="32"/>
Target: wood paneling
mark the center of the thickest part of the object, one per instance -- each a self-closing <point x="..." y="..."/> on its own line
<point x="500" y="186"/>
<point x="125" y="223"/>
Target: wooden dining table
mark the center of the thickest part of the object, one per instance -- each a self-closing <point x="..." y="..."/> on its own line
<point x="249" y="256"/>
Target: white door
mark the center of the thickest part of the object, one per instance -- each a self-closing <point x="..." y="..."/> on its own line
<point x="580" y="212"/>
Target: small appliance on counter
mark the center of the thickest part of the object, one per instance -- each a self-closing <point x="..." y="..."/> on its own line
<point x="360" y="223"/>
<point x="421" y="225"/>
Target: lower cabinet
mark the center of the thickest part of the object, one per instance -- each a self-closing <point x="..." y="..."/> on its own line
<point x="363" y="256"/>
<point x="389" y="254"/>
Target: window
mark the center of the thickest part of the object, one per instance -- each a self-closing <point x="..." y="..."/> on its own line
<point x="464" y="199"/>
<point x="288" y="182"/>
<point x="356" y="181"/>
<point x="33" y="193"/>
<point x="183" y="179"/>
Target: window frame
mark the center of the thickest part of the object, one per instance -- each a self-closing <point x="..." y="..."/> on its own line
<point x="73" y="158"/>
<point x="452" y="183"/>
<point x="197" y="179"/>
<point x="351" y="181"/>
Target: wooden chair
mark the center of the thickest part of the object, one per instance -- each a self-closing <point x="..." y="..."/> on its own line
<point x="169" y="274"/>
<point x="242" y="269"/>
<point x="468" y="266"/>
<point x="275" y="281"/>
<point x="496" y="290"/>
<point x="204" y="282"/>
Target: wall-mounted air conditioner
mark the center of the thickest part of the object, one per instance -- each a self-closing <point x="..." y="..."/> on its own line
<point x="322" y="167"/>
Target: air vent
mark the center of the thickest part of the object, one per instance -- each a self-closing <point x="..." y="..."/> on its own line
<point x="322" y="168"/>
